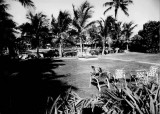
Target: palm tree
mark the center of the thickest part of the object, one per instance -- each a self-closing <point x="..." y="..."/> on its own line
<point x="128" y="31"/>
<point x="7" y="33"/>
<point x="7" y="29"/>
<point x="94" y="35"/>
<point x="36" y="28"/>
<point x="80" y="21"/>
<point x="60" y="27"/>
<point x="118" y="4"/>
<point x="106" y="27"/>
<point x="159" y="38"/>
<point x="7" y="25"/>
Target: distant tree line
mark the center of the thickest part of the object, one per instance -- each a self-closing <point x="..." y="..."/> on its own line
<point x="65" y="31"/>
<point x="148" y="39"/>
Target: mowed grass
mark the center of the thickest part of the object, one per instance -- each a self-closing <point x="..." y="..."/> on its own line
<point x="134" y="56"/>
<point x="78" y="72"/>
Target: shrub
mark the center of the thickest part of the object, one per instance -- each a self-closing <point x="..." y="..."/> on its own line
<point x="93" y="52"/>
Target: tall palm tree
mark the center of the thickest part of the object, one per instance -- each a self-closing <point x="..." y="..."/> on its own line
<point x="60" y="27"/>
<point x="36" y="28"/>
<point x="7" y="25"/>
<point x="80" y="21"/>
<point x="106" y="27"/>
<point x="7" y="29"/>
<point x="159" y="38"/>
<point x="7" y="36"/>
<point x="128" y="31"/>
<point x="116" y="4"/>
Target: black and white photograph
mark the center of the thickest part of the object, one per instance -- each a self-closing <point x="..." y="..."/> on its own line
<point x="79" y="56"/>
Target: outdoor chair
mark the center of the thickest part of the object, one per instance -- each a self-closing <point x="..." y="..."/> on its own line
<point x="141" y="76"/>
<point x="94" y="75"/>
<point x="104" y="82"/>
<point x="153" y="72"/>
<point x="99" y="77"/>
<point x="144" y="75"/>
<point x="119" y="75"/>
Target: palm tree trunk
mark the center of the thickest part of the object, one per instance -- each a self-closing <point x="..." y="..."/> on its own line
<point x="37" y="37"/>
<point x="38" y="46"/>
<point x="104" y="42"/>
<point x="127" y="43"/>
<point x="95" y="46"/>
<point x="38" y="51"/>
<point x="116" y="17"/>
<point x="60" y="49"/>
<point x="81" y="46"/>
<point x="159" y="38"/>
<point x="127" y="46"/>
<point x="11" y="51"/>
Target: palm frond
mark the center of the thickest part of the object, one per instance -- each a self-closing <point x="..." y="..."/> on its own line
<point x="3" y="7"/>
<point x="127" y="2"/>
<point x="87" y="14"/>
<point x="118" y="4"/>
<point x="29" y="15"/>
<point x="116" y="11"/>
<point x="124" y="9"/>
<point x="133" y="27"/>
<point x="83" y="6"/>
<point x="107" y="10"/>
<point x="3" y="13"/>
<point x="26" y="3"/>
<point x="72" y="32"/>
<point x="108" y="4"/>
<point x="76" y="24"/>
<point x="63" y="20"/>
<point x="100" y="26"/>
<point x="75" y="12"/>
<point x="89" y="24"/>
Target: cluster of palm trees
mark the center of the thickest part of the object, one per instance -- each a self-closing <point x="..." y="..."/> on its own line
<point x="38" y="31"/>
<point x="8" y="26"/>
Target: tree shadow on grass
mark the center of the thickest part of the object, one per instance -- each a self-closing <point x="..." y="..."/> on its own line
<point x="26" y="85"/>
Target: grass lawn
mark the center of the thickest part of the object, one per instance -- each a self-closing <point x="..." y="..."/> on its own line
<point x="133" y="56"/>
<point x="26" y="85"/>
<point x="79" y="71"/>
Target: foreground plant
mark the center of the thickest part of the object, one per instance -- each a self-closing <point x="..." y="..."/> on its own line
<point x="142" y="99"/>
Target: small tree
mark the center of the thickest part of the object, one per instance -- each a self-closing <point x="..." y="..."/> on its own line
<point x="128" y="31"/>
<point x="105" y="28"/>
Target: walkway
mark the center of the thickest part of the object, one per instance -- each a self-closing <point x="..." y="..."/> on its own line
<point x="129" y="59"/>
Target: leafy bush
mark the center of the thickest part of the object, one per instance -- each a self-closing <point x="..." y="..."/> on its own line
<point x="70" y="53"/>
<point x="93" y="52"/>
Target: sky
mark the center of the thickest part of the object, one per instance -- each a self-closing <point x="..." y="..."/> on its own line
<point x="140" y="12"/>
